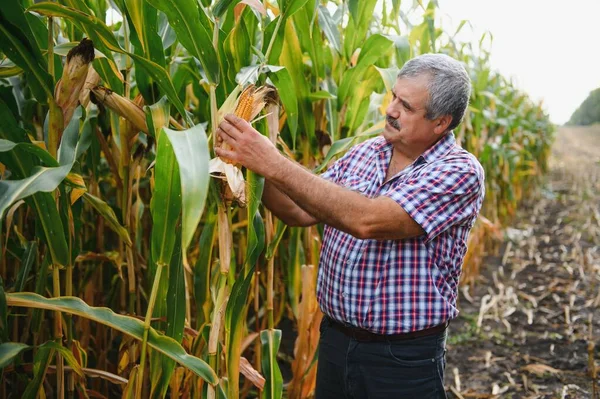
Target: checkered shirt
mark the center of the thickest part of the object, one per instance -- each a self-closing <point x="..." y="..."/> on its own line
<point x="396" y="286"/>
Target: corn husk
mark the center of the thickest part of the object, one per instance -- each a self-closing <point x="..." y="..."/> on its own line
<point x="91" y="81"/>
<point x="121" y="105"/>
<point x="75" y="73"/>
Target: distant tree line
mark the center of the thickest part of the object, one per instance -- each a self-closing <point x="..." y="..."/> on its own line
<point x="588" y="112"/>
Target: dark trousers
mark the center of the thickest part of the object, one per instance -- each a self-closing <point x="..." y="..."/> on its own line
<point x="394" y="369"/>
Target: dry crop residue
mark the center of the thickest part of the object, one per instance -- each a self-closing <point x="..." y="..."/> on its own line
<point x="524" y="330"/>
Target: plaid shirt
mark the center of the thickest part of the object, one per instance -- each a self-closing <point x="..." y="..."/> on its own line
<point x="396" y="286"/>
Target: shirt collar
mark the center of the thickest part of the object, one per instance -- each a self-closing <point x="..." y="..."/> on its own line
<point x="436" y="151"/>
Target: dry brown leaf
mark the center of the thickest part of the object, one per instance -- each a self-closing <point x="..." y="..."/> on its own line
<point x="251" y="374"/>
<point x="540" y="369"/>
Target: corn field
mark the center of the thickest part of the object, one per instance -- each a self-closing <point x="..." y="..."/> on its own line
<point x="133" y="262"/>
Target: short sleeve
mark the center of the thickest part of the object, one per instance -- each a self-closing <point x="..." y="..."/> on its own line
<point x="332" y="173"/>
<point x="440" y="198"/>
<point x="336" y="170"/>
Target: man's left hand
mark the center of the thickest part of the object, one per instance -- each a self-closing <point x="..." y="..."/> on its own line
<point x="249" y="147"/>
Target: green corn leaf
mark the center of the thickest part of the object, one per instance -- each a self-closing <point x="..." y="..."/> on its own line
<point x="305" y="20"/>
<point x="175" y="312"/>
<point x="358" y="26"/>
<point x="256" y="229"/>
<point x="81" y="18"/>
<point x="389" y="76"/>
<point x="109" y="215"/>
<point x="353" y="8"/>
<point x="42" y="178"/>
<point x="279" y="230"/>
<point x="281" y="79"/>
<point x="21" y="164"/>
<point x="147" y="43"/>
<point x="10" y="350"/>
<point x="43" y="155"/>
<point x="321" y="95"/>
<point x="166" y="201"/>
<point x="296" y="259"/>
<point x="221" y="6"/>
<point x="18" y="43"/>
<point x="41" y="361"/>
<point x="291" y="58"/>
<point x="359" y="101"/>
<point x="7" y="71"/>
<point x="235" y="318"/>
<point x="40" y="288"/>
<point x="374" y="48"/>
<point x="157" y="116"/>
<point x="290" y="7"/>
<point x="66" y="354"/>
<point x="238" y="45"/>
<point x="330" y="29"/>
<point x="270" y="342"/>
<point x="191" y="150"/>
<point x="203" y="266"/>
<point x="27" y="260"/>
<point x="135" y="10"/>
<point x="192" y="33"/>
<point x="128" y="325"/>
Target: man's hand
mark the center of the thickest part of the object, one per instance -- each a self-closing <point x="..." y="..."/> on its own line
<point x="249" y="147"/>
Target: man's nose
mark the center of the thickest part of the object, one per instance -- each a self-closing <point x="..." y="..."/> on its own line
<point x="392" y="111"/>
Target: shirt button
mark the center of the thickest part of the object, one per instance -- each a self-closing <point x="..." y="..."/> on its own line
<point x="344" y="294"/>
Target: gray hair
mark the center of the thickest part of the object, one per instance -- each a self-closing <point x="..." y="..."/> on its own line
<point x="449" y="85"/>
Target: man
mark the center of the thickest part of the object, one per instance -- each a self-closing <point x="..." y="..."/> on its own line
<point x="397" y="211"/>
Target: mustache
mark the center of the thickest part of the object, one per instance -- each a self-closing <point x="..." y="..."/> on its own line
<point x="393" y="122"/>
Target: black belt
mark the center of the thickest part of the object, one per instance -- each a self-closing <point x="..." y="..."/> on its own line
<point x="362" y="335"/>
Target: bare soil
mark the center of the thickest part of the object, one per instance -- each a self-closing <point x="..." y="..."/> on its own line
<point x="529" y="327"/>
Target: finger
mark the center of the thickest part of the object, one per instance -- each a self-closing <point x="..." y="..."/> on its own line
<point x="225" y="153"/>
<point x="236" y="121"/>
<point x="226" y="137"/>
<point x="230" y="129"/>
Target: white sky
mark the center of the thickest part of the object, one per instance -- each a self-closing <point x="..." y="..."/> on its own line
<point x="550" y="48"/>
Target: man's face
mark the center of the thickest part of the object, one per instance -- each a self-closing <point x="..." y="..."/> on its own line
<point x="406" y="123"/>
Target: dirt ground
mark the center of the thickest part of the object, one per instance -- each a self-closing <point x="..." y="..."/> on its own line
<point x="524" y="329"/>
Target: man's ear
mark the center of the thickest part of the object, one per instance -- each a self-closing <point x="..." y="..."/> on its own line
<point x="442" y="123"/>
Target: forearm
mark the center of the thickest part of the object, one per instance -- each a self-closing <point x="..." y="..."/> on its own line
<point x="284" y="208"/>
<point x="326" y="201"/>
